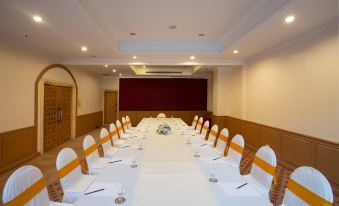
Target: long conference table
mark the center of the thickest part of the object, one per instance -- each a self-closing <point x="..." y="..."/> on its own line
<point x="167" y="172"/>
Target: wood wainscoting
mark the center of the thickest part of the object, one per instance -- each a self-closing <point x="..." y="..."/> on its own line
<point x="88" y="122"/>
<point x="292" y="149"/>
<point x="187" y="116"/>
<point x="17" y="147"/>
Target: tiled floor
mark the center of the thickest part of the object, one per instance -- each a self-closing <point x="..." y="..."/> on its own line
<point x="46" y="163"/>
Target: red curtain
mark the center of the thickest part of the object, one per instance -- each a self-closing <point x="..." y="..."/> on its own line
<point x="150" y="94"/>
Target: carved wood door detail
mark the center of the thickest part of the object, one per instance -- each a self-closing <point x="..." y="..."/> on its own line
<point x="110" y="106"/>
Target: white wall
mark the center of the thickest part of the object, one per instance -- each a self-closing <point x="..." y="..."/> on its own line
<point x="19" y="68"/>
<point x="110" y="83"/>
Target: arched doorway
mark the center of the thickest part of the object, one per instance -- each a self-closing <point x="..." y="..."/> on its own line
<point x="56" y="93"/>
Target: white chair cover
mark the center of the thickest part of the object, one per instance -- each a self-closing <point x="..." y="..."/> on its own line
<point x="312" y="180"/>
<point x="117" y="142"/>
<point x="199" y="126"/>
<point x="258" y="177"/>
<point x="73" y="182"/>
<point x="205" y="129"/>
<point x="235" y="150"/>
<point x="222" y="141"/>
<point x="94" y="162"/>
<point x="106" y="142"/>
<point x="161" y="115"/>
<point x="129" y="124"/>
<point x="21" y="182"/>
<point x="195" y="122"/>
<point x="121" y="132"/>
<point x="212" y="135"/>
<point x="124" y="123"/>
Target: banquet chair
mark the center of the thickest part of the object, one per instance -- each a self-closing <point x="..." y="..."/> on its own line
<point x="222" y="142"/>
<point x="106" y="142"/>
<point x="129" y="124"/>
<point x="205" y="129"/>
<point x="195" y="122"/>
<point x="199" y="125"/>
<point x="94" y="162"/>
<point x="307" y="186"/>
<point x="121" y="132"/>
<point x="161" y="115"/>
<point x="263" y="170"/>
<point x="117" y="142"/>
<point x="212" y="136"/>
<point x="124" y="124"/>
<point x="26" y="186"/>
<point x="235" y="150"/>
<point x="73" y="182"/>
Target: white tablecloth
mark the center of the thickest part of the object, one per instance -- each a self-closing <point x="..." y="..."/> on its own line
<point x="168" y="174"/>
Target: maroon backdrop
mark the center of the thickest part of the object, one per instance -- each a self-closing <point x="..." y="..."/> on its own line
<point x="141" y="94"/>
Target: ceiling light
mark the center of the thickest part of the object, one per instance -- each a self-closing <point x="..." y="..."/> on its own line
<point x="37" y="19"/>
<point x="192" y="57"/>
<point x="134" y="57"/>
<point x="289" y="19"/>
<point x="235" y="51"/>
<point x="84" y="48"/>
<point x="106" y="65"/>
<point x="114" y="70"/>
<point x="120" y="74"/>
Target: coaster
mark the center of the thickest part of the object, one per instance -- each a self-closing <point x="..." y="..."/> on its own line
<point x="120" y="200"/>
<point x="140" y="148"/>
<point x="188" y="142"/>
<point x="196" y="155"/>
<point x="212" y="179"/>
<point x="134" y="166"/>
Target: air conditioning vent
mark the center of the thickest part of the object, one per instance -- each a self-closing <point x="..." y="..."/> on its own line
<point x="163" y="72"/>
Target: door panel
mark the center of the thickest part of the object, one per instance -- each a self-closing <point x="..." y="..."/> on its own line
<point x="110" y="106"/>
<point x="50" y="116"/>
<point x="65" y="107"/>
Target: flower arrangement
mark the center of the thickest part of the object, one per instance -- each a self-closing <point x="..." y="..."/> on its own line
<point x="164" y="129"/>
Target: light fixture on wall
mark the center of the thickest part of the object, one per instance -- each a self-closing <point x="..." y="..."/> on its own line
<point x="84" y="49"/>
<point x="289" y="19"/>
<point x="120" y="74"/>
<point x="106" y="65"/>
<point x="37" y="19"/>
<point x="114" y="70"/>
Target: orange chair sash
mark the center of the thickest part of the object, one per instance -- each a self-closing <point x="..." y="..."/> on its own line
<point x="268" y="168"/>
<point x="205" y="127"/>
<point x="106" y="138"/>
<point x="199" y="123"/>
<point x="119" y="128"/>
<point x="306" y="195"/>
<point x="213" y="133"/>
<point x="223" y="137"/>
<point x="90" y="150"/>
<point x="236" y="147"/>
<point x="115" y="132"/>
<point x="63" y="172"/>
<point x="27" y="195"/>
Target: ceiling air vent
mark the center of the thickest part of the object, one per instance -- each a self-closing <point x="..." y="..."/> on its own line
<point x="163" y="72"/>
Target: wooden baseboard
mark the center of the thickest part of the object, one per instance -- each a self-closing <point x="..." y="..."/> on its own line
<point x="16" y="147"/>
<point x="88" y="122"/>
<point x="292" y="149"/>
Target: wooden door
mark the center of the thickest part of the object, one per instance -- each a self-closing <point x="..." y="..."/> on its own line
<point x="110" y="106"/>
<point x="50" y="116"/>
<point x="57" y="115"/>
<point x="65" y="113"/>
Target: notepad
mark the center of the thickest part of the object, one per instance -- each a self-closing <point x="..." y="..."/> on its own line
<point x="230" y="189"/>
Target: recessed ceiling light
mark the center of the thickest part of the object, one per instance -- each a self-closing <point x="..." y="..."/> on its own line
<point x="235" y="51"/>
<point x="144" y="66"/>
<point x="132" y="34"/>
<point x="83" y="48"/>
<point x="106" y="65"/>
<point x="289" y="19"/>
<point x="114" y="70"/>
<point x="120" y="74"/>
<point x="172" y="27"/>
<point x="37" y="18"/>
<point x="134" y="57"/>
<point x="201" y="34"/>
<point x="192" y="57"/>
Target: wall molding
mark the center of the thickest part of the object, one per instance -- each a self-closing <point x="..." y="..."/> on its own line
<point x="292" y="149"/>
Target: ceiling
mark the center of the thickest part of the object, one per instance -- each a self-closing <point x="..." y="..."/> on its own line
<point x="105" y="27"/>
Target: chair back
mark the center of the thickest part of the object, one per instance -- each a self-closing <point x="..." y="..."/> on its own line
<point x="195" y="121"/>
<point x="213" y="134"/>
<point x="236" y="149"/>
<point x="119" y="129"/>
<point x="222" y="141"/>
<point x="263" y="167"/>
<point x="124" y="123"/>
<point x="68" y="167"/>
<point x="205" y="128"/>
<point x="128" y="120"/>
<point x="161" y="115"/>
<point x="90" y="149"/>
<point x="199" y="125"/>
<point x="105" y="138"/>
<point x="113" y="132"/>
<point x="307" y="186"/>
<point x="26" y="186"/>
